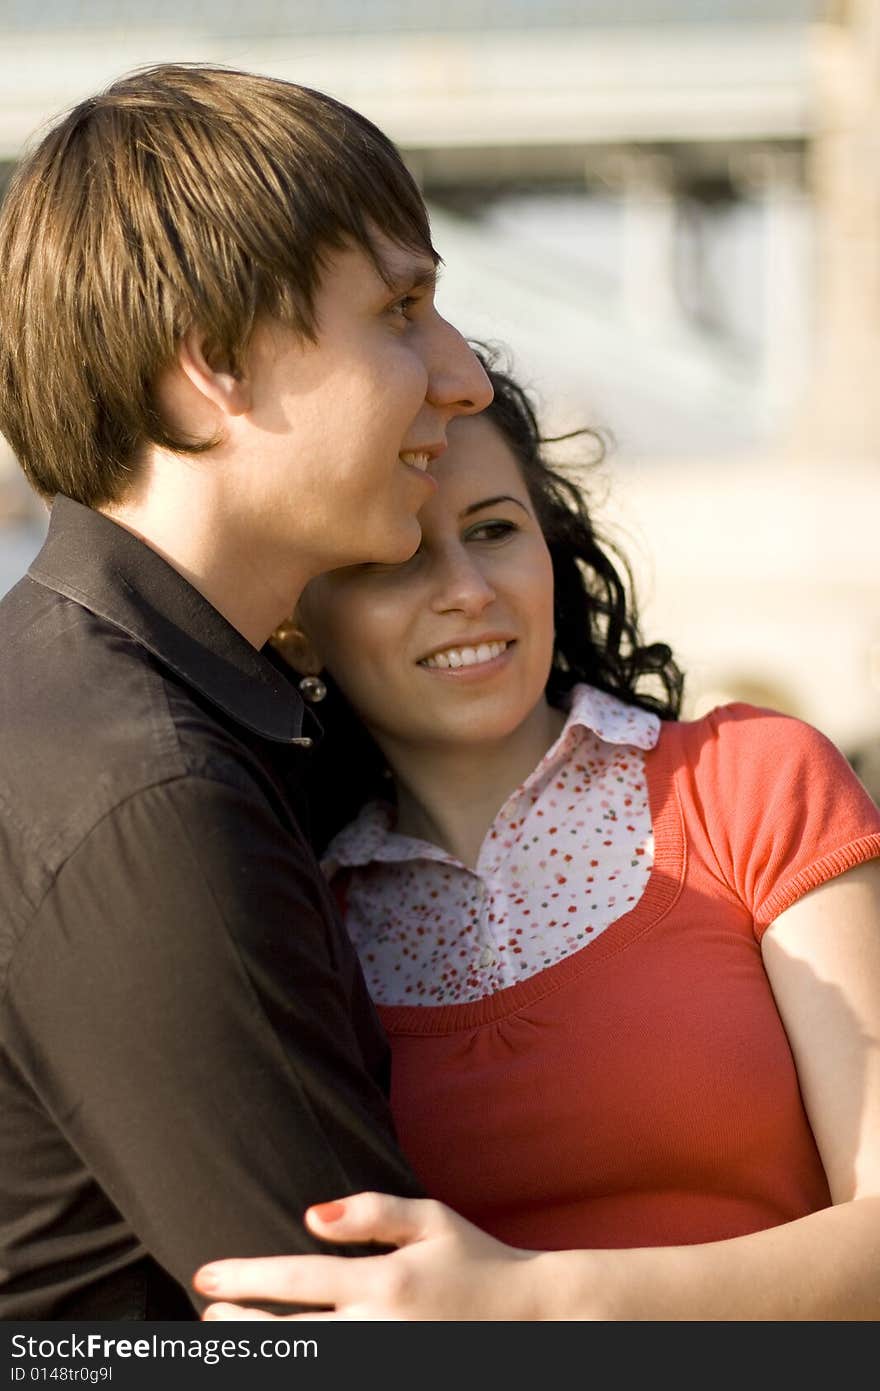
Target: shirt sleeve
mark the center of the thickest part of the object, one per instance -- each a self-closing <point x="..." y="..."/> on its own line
<point x="782" y="807"/>
<point x="184" y="1007"/>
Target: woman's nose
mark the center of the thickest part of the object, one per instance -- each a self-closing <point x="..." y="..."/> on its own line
<point x="462" y="586"/>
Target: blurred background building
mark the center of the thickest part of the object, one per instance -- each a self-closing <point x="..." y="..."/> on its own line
<point x="669" y="212"/>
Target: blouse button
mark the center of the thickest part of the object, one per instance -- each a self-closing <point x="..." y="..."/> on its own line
<point x="487" y="957"/>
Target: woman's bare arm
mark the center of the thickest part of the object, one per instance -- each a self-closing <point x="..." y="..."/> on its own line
<point x="822" y="957"/>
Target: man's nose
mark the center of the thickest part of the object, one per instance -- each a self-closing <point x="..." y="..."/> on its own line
<point x="457" y="382"/>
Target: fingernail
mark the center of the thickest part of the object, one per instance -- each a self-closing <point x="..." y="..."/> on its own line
<point x="328" y="1212"/>
<point x="207" y="1278"/>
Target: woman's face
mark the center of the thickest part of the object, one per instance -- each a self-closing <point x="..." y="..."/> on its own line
<point x="454" y="646"/>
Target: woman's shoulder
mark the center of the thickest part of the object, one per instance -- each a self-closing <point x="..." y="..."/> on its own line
<point x="746" y="763"/>
<point x="773" y="796"/>
<point x="750" y="733"/>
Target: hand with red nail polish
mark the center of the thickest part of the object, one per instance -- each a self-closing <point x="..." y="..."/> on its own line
<point x="442" y="1268"/>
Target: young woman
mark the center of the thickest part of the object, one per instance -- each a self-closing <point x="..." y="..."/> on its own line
<point x="629" y="966"/>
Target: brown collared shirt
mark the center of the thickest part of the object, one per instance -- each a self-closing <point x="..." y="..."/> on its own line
<point x="188" y="1055"/>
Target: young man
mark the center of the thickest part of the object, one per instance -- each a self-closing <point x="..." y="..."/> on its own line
<point x="220" y="356"/>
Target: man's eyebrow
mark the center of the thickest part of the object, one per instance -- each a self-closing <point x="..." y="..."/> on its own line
<point x="418" y="275"/>
<point x="493" y="502"/>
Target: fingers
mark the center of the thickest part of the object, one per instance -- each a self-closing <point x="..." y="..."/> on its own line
<point x="239" y="1313"/>
<point x="326" y="1282"/>
<point x="378" y="1217"/>
<point x="317" y="1280"/>
<point x="236" y="1312"/>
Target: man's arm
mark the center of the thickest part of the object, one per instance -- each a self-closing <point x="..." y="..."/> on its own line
<point x="182" y="1007"/>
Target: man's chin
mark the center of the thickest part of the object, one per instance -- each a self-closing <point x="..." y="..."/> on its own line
<point x="407" y="542"/>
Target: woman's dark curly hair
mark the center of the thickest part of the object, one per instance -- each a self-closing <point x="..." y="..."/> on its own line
<point x="597" y="638"/>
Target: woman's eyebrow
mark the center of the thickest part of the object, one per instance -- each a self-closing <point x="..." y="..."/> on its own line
<point x="492" y="502"/>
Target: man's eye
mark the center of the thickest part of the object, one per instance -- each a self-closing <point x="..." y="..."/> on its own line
<point x="403" y="305"/>
<point x="491" y="531"/>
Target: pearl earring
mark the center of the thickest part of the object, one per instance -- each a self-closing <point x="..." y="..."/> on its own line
<point x="312" y="689"/>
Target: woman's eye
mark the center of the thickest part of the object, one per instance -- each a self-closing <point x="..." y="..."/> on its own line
<point x="491" y="531"/>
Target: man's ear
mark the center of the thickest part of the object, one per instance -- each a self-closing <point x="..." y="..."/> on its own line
<point x="229" y="391"/>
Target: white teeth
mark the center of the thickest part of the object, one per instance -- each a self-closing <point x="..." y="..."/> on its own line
<point x="465" y="656"/>
<point x="418" y="460"/>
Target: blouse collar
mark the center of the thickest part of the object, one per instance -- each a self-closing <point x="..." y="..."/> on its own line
<point x="371" y="835"/>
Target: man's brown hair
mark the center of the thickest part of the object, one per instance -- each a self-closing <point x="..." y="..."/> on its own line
<point x="180" y="196"/>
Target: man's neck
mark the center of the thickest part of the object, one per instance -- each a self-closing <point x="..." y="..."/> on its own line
<point x="192" y="529"/>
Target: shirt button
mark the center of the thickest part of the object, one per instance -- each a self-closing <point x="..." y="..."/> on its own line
<point x="487" y="957"/>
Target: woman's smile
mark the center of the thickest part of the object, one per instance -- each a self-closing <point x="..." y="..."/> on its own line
<point x="478" y="658"/>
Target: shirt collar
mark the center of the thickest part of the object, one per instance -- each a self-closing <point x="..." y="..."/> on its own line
<point x="103" y="567"/>
<point x="611" y="719"/>
<point x="370" y="836"/>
